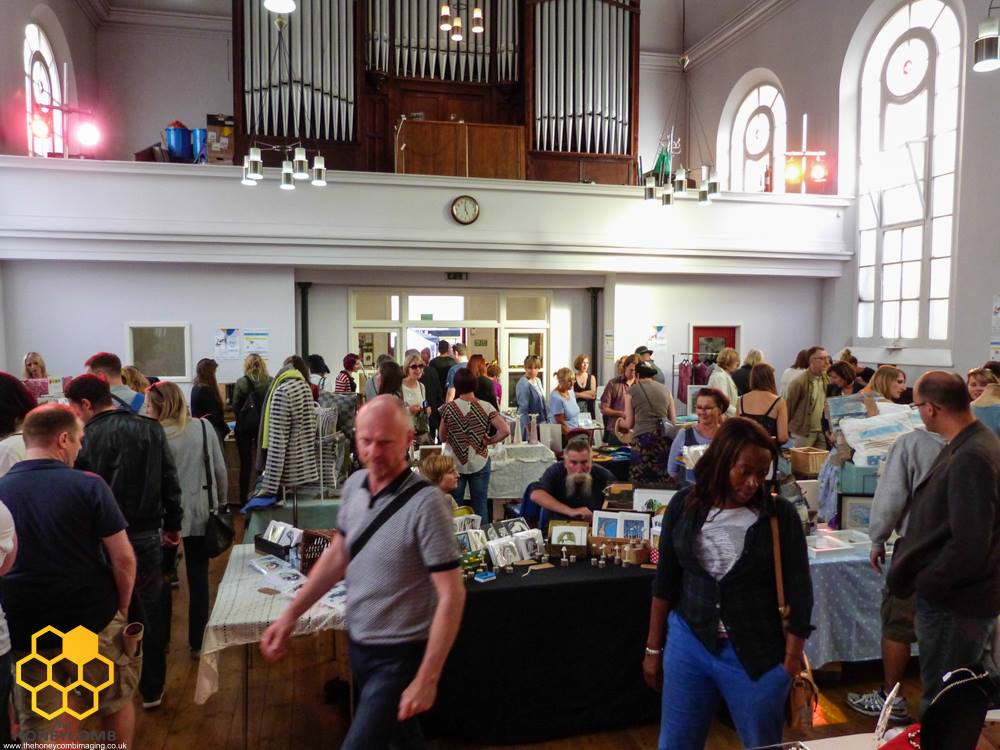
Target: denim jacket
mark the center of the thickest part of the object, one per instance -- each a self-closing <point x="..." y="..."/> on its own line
<point x="529" y="401"/>
<point x="746" y="598"/>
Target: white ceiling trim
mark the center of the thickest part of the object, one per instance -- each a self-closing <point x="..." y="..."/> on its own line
<point x="96" y="11"/>
<point x="735" y="30"/>
<point x="104" y="16"/>
<point x="660" y="61"/>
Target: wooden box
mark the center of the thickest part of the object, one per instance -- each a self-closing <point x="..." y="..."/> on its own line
<point x="554" y="549"/>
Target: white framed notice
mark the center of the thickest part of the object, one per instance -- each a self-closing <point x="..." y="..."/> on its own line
<point x="162" y="350"/>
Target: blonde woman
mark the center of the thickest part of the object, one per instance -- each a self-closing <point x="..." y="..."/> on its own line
<point x="34" y="366"/>
<point x="134" y="379"/>
<point x="190" y="441"/>
<point x="742" y="375"/>
<point x="562" y="403"/>
<point x="721" y="379"/>
<point x="439" y="468"/>
<point x="249" y="395"/>
<point x="415" y="398"/>
<point x="888" y="382"/>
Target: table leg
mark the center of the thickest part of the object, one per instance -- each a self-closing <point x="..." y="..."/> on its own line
<point x="246" y="696"/>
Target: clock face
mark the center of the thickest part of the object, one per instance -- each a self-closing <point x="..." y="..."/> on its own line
<point x="465" y="209"/>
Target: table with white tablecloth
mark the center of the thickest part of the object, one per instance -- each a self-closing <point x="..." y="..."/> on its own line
<point x="514" y="467"/>
<point x="242" y="613"/>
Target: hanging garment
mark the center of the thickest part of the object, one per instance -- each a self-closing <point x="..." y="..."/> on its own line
<point x="291" y="438"/>
<point x="683" y="380"/>
<point x="699" y="374"/>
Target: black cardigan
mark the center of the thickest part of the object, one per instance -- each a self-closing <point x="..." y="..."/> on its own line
<point x="746" y="599"/>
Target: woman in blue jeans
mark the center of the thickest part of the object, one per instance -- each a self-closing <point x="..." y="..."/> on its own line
<point x="468" y="427"/>
<point x="715" y="581"/>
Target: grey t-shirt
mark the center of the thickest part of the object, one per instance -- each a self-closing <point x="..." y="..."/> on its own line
<point x="390" y="596"/>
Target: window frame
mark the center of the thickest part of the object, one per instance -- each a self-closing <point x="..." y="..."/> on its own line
<point x="770" y="152"/>
<point x="45" y="55"/>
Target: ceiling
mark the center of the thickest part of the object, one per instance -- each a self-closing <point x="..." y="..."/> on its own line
<point x="193" y="7"/>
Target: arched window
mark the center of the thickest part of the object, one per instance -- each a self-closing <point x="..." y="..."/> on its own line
<point x="757" y="141"/>
<point x="907" y="145"/>
<point x="43" y="86"/>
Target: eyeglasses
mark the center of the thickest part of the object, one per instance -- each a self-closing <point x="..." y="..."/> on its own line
<point x="416" y="367"/>
<point x="918" y="404"/>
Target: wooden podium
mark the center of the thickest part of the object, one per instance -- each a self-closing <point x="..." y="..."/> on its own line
<point x="460" y="149"/>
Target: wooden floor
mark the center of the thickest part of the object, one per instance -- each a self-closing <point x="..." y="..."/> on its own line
<point x="287" y="709"/>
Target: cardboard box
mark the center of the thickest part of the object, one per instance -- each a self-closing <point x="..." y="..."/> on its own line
<point x="220" y="145"/>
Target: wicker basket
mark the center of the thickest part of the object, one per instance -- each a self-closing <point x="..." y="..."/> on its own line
<point x="314" y="541"/>
<point x="808" y="461"/>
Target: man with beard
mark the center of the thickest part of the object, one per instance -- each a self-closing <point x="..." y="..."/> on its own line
<point x="573" y="488"/>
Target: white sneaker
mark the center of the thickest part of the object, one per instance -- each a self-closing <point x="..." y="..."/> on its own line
<point x="871" y="704"/>
<point x="155" y="703"/>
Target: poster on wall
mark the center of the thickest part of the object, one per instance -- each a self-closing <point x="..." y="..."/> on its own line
<point x="227" y="343"/>
<point x="995" y="330"/>
<point x="657" y="341"/>
<point x="256" y="341"/>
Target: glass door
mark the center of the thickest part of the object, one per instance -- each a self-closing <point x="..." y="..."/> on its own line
<point x="372" y="343"/>
<point x="518" y="345"/>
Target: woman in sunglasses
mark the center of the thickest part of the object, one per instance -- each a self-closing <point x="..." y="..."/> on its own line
<point x="415" y="398"/>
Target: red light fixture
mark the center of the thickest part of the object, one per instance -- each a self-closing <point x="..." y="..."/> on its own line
<point x="88" y="134"/>
<point x="818" y="172"/>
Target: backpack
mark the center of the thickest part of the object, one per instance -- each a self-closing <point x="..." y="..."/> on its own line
<point x="248" y="420"/>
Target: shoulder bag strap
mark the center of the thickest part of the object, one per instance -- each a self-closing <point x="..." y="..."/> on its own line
<point x="122" y="403"/>
<point x="778" y="577"/>
<point x="387" y="512"/>
<point x="212" y="508"/>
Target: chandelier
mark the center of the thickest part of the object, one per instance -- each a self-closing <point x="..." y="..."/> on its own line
<point x="453" y="22"/>
<point x="294" y="167"/>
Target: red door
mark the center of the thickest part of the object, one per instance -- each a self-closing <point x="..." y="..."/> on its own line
<point x="712" y="339"/>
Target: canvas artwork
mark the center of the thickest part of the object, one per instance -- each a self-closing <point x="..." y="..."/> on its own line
<point x="569" y="535"/>
<point x="503" y="551"/>
<point x="605" y="524"/>
<point x="635" y="525"/>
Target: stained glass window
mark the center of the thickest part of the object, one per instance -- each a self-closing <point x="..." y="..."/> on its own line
<point x="43" y="88"/>
<point x="906" y="174"/>
<point x="758" y="141"/>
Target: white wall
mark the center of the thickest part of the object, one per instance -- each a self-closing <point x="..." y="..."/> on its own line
<point x="72" y="35"/>
<point x="70" y="310"/>
<point x="661" y="104"/>
<point x="805" y="45"/>
<point x="777" y="316"/>
<point x="149" y="78"/>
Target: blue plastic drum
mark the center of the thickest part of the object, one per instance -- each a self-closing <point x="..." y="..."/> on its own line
<point x="179" y="143"/>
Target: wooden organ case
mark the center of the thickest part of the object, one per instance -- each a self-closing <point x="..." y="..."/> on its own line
<point x="339" y="76"/>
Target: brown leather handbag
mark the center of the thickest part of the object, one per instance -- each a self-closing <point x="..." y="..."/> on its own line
<point x="803" y="697"/>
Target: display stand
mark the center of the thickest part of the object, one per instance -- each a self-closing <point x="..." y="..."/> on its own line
<point x="673" y="371"/>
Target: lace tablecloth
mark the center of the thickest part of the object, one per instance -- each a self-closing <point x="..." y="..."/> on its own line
<point x="514" y="467"/>
<point x="242" y="613"/>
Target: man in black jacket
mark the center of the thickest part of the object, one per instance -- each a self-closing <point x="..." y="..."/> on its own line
<point x="131" y="453"/>
<point x="951" y="554"/>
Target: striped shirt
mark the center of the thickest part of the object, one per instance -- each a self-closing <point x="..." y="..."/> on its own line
<point x="390" y="596"/>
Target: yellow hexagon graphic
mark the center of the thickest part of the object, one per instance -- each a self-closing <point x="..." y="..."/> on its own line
<point x="107" y="663"/>
<point x="23" y="662"/>
<point x="46" y="714"/>
<point x="80" y="645"/>
<point x="34" y="639"/>
<point x="89" y="690"/>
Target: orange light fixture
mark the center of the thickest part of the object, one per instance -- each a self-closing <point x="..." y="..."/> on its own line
<point x="793" y="172"/>
<point x="818" y="172"/>
<point x="40" y="126"/>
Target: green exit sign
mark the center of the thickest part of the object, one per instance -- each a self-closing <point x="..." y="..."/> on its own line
<point x="427" y="316"/>
<point x="479" y="342"/>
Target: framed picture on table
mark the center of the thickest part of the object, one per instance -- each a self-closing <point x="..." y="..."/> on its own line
<point x="855" y="511"/>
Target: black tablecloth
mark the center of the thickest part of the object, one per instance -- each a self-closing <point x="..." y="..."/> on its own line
<point x="555" y="654"/>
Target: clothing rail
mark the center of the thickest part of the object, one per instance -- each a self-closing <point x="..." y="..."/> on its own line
<point x="707" y="357"/>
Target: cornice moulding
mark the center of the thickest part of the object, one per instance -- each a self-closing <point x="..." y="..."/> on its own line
<point x="661" y="61"/>
<point x="735" y="29"/>
<point x="96" y="11"/>
<point x="156" y="20"/>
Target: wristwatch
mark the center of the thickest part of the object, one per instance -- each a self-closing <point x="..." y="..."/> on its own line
<point x="653" y="651"/>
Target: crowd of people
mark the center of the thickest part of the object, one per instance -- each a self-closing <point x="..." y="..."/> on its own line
<point x="100" y="496"/>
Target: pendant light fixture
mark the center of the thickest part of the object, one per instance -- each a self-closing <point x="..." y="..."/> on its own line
<point x="456" y="30"/>
<point x="280" y="6"/>
<point x="986" y="51"/>
<point x="445" y="20"/>
<point x="319" y="171"/>
<point x="287" y="176"/>
<point x="247" y="180"/>
<point x="255" y="166"/>
<point x="300" y="166"/>
<point x="450" y="20"/>
<point x="294" y="166"/>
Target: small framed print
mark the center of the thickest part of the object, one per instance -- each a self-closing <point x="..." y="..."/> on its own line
<point x="856" y="511"/>
<point x="530" y="543"/>
<point x="568" y="534"/>
<point x="471" y="540"/>
<point x="635" y="526"/>
<point x="606" y="524"/>
<point x="503" y="551"/>
<point x="651" y="500"/>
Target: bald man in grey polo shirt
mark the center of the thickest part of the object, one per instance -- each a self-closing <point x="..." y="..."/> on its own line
<point x="404" y="590"/>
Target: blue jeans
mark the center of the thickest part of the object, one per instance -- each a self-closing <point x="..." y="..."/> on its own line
<point x="479" y="490"/>
<point x="382" y="673"/>
<point x="693" y="681"/>
<point x="947" y="641"/>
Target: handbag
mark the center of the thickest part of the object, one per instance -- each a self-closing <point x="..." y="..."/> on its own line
<point x="218" y="528"/>
<point x="803" y="696"/>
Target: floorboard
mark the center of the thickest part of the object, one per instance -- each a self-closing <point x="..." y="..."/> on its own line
<point x="288" y="711"/>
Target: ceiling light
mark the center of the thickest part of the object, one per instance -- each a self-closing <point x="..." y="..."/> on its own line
<point x="680" y="181"/>
<point x="456" y="29"/>
<point x="445" y="23"/>
<point x="246" y="177"/>
<point x="650" y="191"/>
<point x="667" y="199"/>
<point x="714" y="187"/>
<point x="703" y="199"/>
<point x="255" y="166"/>
<point x="280" y="6"/>
<point x="477" y="21"/>
<point x="40" y="127"/>
<point x="287" y="180"/>
<point x="319" y="171"/>
<point x="300" y="167"/>
<point x="88" y="134"/>
<point x="793" y="172"/>
<point x="987" y="47"/>
<point x="818" y="171"/>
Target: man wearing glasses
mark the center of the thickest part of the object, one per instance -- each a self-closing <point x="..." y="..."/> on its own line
<point x="951" y="554"/>
<point x="807" y="399"/>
